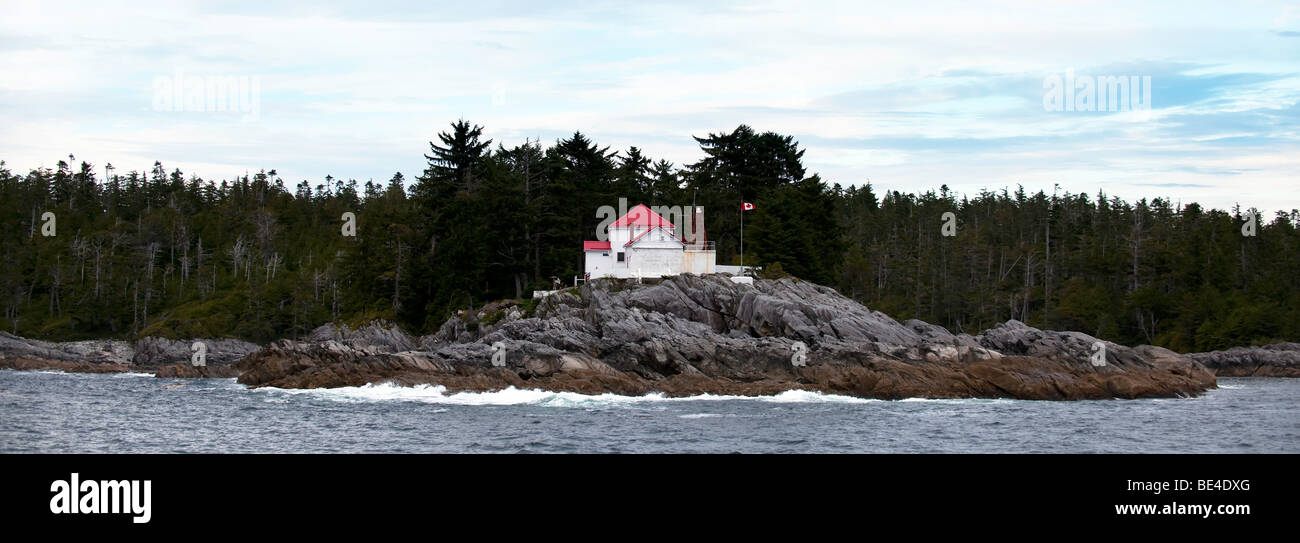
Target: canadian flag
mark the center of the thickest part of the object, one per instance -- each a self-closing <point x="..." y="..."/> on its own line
<point x="746" y="206"/>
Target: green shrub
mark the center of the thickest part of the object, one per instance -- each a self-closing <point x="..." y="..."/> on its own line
<point x="773" y="271"/>
<point x="493" y="317"/>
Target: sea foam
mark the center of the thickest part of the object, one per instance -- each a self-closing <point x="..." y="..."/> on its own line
<point x="437" y="394"/>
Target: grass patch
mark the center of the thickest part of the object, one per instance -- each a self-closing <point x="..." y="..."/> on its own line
<point x="493" y="317"/>
<point x="214" y="317"/>
<point x="530" y="307"/>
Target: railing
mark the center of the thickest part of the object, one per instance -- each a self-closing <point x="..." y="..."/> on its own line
<point x="702" y="246"/>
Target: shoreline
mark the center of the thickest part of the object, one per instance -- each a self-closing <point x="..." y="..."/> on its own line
<point x="686" y="336"/>
<point x="587" y="384"/>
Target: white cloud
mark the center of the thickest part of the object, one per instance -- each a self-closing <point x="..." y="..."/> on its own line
<point x="864" y="88"/>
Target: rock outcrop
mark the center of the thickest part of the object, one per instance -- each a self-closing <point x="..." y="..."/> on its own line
<point x="152" y="352"/>
<point x="37" y="364"/>
<point x="115" y="356"/>
<point x="377" y="335"/>
<point x="683" y="336"/>
<point x="190" y="371"/>
<point x="1276" y="360"/>
<point x="692" y="334"/>
<point x="97" y="356"/>
<point x="90" y="352"/>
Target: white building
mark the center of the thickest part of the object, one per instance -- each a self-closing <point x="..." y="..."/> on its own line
<point x="644" y="244"/>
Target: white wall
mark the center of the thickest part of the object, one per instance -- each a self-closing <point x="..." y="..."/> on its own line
<point x="657" y="253"/>
<point x="655" y="261"/>
<point x="619" y="235"/>
<point x="699" y="261"/>
<point x="601" y="263"/>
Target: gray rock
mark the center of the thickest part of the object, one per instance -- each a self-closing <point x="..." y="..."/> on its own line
<point x="153" y="352"/>
<point x="380" y="334"/>
<point x="694" y="334"/>
<point x="94" y="351"/>
<point x="1017" y="338"/>
<point x="1276" y="360"/>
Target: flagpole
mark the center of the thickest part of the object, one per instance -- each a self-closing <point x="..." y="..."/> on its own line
<point x="742" y="238"/>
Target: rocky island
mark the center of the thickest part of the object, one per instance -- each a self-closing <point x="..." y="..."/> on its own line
<point x="691" y="334"/>
<point x="682" y="336"/>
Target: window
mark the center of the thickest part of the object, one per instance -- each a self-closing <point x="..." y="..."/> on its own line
<point x="604" y="254"/>
<point x="620" y="256"/>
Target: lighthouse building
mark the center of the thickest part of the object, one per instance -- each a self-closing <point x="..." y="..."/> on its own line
<point x="644" y="244"/>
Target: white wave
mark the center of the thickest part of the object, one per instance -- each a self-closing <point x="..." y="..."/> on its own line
<point x="700" y="416"/>
<point x="958" y="400"/>
<point x="513" y="396"/>
<point x="38" y="372"/>
<point x="78" y="373"/>
<point x="810" y="396"/>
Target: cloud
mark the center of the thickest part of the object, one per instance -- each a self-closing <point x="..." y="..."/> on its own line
<point x="909" y="96"/>
<point x="1174" y="185"/>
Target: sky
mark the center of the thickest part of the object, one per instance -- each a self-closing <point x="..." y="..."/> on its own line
<point x="907" y="96"/>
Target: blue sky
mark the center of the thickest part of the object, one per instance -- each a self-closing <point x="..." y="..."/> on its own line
<point x="909" y="97"/>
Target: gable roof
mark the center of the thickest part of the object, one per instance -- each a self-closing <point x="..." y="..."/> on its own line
<point x="648" y="230"/>
<point x="642" y="216"/>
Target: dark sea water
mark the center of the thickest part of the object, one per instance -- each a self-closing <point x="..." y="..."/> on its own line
<point x="137" y="413"/>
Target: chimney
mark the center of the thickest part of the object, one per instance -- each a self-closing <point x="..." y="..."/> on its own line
<point x="697" y="236"/>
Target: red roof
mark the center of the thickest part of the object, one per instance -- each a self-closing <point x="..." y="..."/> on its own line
<point x="595" y="245"/>
<point x="642" y="216"/>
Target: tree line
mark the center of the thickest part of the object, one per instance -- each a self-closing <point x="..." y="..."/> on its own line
<point x="159" y="252"/>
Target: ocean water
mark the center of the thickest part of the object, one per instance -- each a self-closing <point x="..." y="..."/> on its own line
<point x="55" y="412"/>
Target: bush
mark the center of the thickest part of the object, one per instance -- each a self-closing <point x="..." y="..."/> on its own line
<point x="493" y="317"/>
<point x="773" y="271"/>
<point x="530" y="307"/>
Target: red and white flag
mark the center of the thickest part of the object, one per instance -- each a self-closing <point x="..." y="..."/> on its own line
<point x="746" y="206"/>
